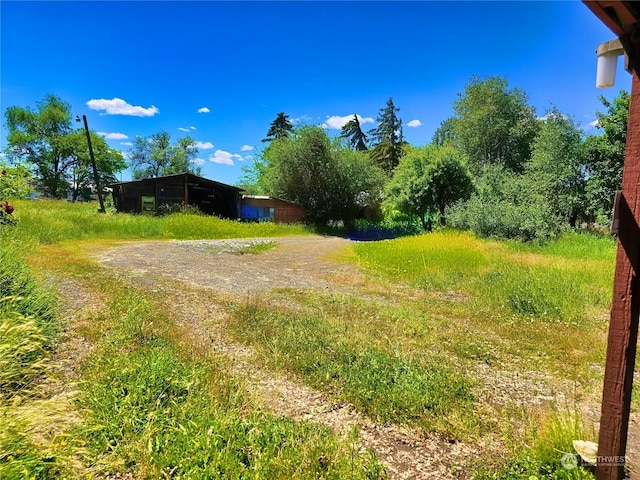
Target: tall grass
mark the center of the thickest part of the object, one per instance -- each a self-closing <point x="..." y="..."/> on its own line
<point x="27" y="331"/>
<point x="51" y="221"/>
<point x="550" y="442"/>
<point x="334" y="354"/>
<point x="156" y="411"/>
<point x="563" y="281"/>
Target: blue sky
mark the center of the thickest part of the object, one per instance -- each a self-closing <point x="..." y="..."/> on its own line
<point x="221" y="71"/>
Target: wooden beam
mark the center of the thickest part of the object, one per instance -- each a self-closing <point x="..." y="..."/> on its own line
<point x="614" y="14"/>
<point x="625" y="310"/>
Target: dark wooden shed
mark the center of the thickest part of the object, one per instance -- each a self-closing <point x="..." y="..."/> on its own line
<point x="149" y="194"/>
<point x="257" y="207"/>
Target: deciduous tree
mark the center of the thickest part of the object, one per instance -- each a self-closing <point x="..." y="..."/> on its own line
<point x="39" y="138"/>
<point x="557" y="167"/>
<point x="494" y="124"/>
<point x="44" y="141"/>
<point x="327" y="180"/>
<point x="155" y="156"/>
<point x="428" y="180"/>
<point x="605" y="156"/>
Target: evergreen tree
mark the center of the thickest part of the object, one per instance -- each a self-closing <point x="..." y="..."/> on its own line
<point x="281" y="127"/>
<point x="353" y="132"/>
<point x="388" y="138"/>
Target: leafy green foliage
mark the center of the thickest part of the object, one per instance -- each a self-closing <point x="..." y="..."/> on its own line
<point x="445" y="133"/>
<point x="40" y="138"/>
<point x="507" y="205"/>
<point x="494" y="125"/>
<point x="45" y="141"/>
<point x="14" y="181"/>
<point x="109" y="161"/>
<point x="155" y="156"/>
<point x="605" y="157"/>
<point x="328" y="181"/>
<point x="557" y="167"/>
<point x="427" y="181"/>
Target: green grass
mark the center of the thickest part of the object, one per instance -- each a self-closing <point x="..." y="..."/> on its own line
<point x="549" y="443"/>
<point x="52" y="221"/>
<point x="27" y="332"/>
<point x="156" y="410"/>
<point x="329" y="350"/>
<point x="564" y="281"/>
<point x="153" y="405"/>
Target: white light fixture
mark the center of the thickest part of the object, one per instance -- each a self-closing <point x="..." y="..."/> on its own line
<point x="608" y="53"/>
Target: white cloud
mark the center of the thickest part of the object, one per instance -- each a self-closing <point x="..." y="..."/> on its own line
<point x="303" y="119"/>
<point x="203" y="110"/>
<point x="198" y="161"/>
<point x="337" y="122"/>
<point x="117" y="106"/>
<point x="414" y="123"/>
<point x="224" y="158"/>
<point x="594" y="123"/>
<point x="182" y="129"/>
<point x="204" y="145"/>
<point x="126" y="144"/>
<point x="113" y="136"/>
<point x="2" y="155"/>
<point x="124" y="154"/>
<point x="248" y="157"/>
<point x="246" y="148"/>
<point x="192" y="127"/>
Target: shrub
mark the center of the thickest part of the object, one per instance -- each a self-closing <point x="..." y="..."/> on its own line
<point x="365" y="230"/>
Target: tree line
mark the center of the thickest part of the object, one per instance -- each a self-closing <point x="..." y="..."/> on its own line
<point x="493" y="167"/>
<point x="56" y="155"/>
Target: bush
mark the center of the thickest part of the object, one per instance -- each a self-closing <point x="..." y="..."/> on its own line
<point x="169" y="208"/>
<point x="506" y="205"/>
<point x="364" y="230"/>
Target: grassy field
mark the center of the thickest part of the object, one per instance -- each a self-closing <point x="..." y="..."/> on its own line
<point x="150" y="403"/>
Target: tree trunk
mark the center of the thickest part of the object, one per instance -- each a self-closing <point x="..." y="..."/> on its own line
<point x="443" y="220"/>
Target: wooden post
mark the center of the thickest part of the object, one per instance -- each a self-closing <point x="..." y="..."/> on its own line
<point x="625" y="310"/>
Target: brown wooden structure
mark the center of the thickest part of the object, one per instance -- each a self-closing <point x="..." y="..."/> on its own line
<point x="622" y="19"/>
<point x="149" y="194"/>
<point x="255" y="207"/>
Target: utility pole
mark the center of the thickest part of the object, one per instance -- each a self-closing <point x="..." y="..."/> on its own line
<point x="96" y="178"/>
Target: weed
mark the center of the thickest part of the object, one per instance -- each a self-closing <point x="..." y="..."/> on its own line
<point x="382" y="384"/>
<point x="155" y="410"/>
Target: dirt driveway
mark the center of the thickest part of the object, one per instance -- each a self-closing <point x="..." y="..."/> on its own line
<point x="296" y="262"/>
<point x="305" y="262"/>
